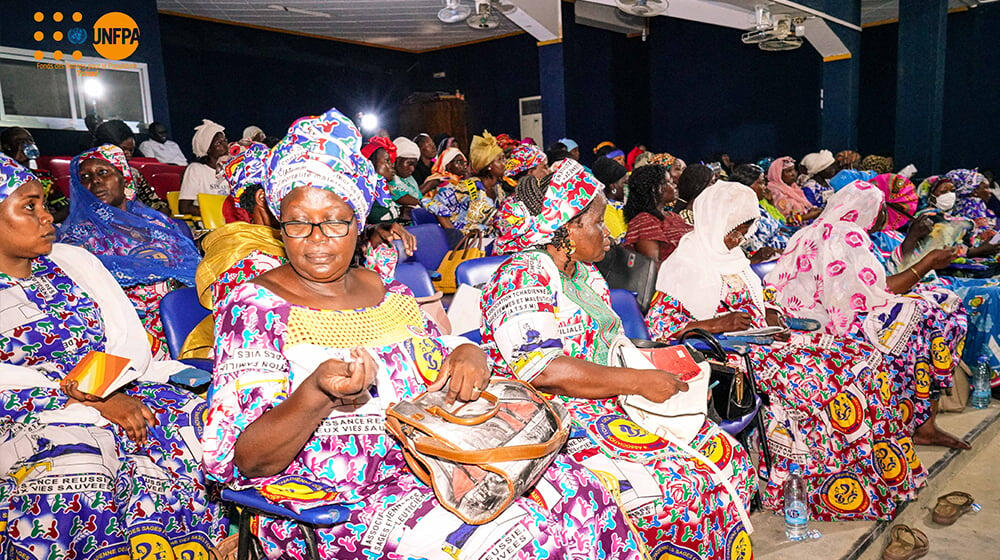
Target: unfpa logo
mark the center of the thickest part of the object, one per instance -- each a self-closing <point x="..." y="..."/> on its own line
<point x="116" y="36"/>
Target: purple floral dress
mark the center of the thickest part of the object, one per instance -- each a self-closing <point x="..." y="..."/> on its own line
<point x="266" y="346"/>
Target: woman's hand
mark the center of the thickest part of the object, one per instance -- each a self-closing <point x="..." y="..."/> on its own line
<point x="659" y="385"/>
<point x="344" y="380"/>
<point x="775" y="318"/>
<point x="72" y="390"/>
<point x="387" y="233"/>
<point x="127" y="412"/>
<point x="940" y="258"/>
<point x="764" y="254"/>
<point x="730" y="322"/>
<point x="465" y="371"/>
<point x="920" y="229"/>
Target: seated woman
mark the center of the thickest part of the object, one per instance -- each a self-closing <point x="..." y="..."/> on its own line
<point x="876" y="164"/>
<point x="820" y="167"/>
<point x="147" y="253"/>
<point x="548" y="321"/>
<point x="450" y="169"/>
<point x="830" y="273"/>
<point x="473" y="203"/>
<point x="786" y="193"/>
<point x="204" y="176"/>
<point x="768" y="238"/>
<point x="613" y="175"/>
<point x="973" y="192"/>
<point x="690" y="183"/>
<point x="381" y="152"/>
<point x="118" y="133"/>
<point x="315" y="350"/>
<point x="831" y="406"/>
<point x="15" y="141"/>
<point x="87" y="478"/>
<point x="653" y="230"/>
<point x="526" y="159"/>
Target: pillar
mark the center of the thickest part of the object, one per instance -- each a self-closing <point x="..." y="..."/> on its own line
<point x="552" y="83"/>
<point x="841" y="81"/>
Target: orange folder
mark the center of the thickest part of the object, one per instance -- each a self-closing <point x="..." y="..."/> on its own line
<point x="100" y="374"/>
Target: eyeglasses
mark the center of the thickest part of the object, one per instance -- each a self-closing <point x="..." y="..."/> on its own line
<point x="330" y="228"/>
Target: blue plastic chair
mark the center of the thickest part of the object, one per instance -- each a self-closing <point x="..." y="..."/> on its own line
<point x="625" y="305"/>
<point x="416" y="277"/>
<point x="252" y="503"/>
<point x="762" y="269"/>
<point x="476" y="272"/>
<point x="180" y="313"/>
<point x="419" y="216"/>
<point x="432" y="245"/>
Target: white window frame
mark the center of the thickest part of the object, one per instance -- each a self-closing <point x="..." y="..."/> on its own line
<point x="78" y="106"/>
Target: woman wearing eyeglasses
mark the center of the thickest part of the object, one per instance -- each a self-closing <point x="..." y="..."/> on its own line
<point x="310" y="354"/>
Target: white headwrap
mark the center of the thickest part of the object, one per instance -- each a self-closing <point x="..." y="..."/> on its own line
<point x="693" y="273"/>
<point x="203" y="135"/>
<point x="251" y="131"/>
<point x="406" y="148"/>
<point x="816" y="162"/>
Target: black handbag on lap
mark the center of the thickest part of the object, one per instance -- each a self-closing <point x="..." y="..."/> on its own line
<point x="733" y="396"/>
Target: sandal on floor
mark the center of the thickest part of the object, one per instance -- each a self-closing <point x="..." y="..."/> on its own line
<point x="226" y="549"/>
<point x="950" y="507"/>
<point x="906" y="543"/>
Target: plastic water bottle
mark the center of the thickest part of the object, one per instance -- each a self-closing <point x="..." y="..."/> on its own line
<point x="796" y="511"/>
<point x="980" y="397"/>
<point x="32" y="153"/>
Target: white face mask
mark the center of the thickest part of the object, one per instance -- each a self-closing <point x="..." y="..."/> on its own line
<point x="945" y="202"/>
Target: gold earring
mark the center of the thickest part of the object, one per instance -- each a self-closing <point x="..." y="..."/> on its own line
<point x="570" y="247"/>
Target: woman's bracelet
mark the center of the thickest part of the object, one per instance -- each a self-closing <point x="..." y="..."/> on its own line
<point x="915" y="273"/>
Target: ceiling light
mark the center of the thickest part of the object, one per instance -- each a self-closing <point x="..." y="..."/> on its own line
<point x="369" y="122"/>
<point x="454" y="11"/>
<point x="281" y="8"/>
<point x="93" y="88"/>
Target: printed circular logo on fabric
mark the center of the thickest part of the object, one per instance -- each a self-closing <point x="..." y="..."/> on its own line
<point x="626" y="434"/>
<point x="906" y="410"/>
<point x="843" y="493"/>
<point x="890" y="462"/>
<point x="846" y="412"/>
<point x="116" y="36"/>
<point x="883" y="382"/>
<point x="738" y="544"/>
<point x="718" y="450"/>
<point x="922" y="380"/>
<point x="671" y="551"/>
<point x="911" y="454"/>
<point x="299" y="489"/>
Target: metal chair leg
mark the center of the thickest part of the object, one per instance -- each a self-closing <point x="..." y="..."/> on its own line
<point x="243" y="540"/>
<point x="309" y="534"/>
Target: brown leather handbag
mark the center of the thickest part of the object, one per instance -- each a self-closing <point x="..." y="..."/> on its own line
<point x="480" y="455"/>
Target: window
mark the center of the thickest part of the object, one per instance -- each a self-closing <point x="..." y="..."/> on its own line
<point x="50" y="94"/>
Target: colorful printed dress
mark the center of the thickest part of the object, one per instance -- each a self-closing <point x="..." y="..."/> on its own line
<point x="146" y="300"/>
<point x="817" y="193"/>
<point x="266" y="346"/>
<point x="533" y="315"/>
<point x="77" y="486"/>
<point x="467" y="205"/>
<point x="832" y="410"/>
<point x="980" y="297"/>
<point x="768" y="233"/>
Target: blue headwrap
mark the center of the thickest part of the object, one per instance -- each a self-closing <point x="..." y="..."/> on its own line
<point x="12" y="176"/>
<point x="137" y="245"/>
<point x="848" y="176"/>
<point x="570" y="144"/>
<point x="614" y="153"/>
<point x="325" y="152"/>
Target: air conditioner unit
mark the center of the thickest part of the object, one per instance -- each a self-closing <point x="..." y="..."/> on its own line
<point x="607" y="17"/>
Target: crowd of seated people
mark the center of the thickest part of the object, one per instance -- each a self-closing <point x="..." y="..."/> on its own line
<point x="312" y="337"/>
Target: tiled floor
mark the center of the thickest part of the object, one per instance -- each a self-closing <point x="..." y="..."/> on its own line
<point x="974" y="536"/>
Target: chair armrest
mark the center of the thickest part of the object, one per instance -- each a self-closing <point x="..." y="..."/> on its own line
<point x="473" y="336"/>
<point x="735" y="341"/>
<point x="195" y="376"/>
<point x="727" y="344"/>
<point x="320" y="516"/>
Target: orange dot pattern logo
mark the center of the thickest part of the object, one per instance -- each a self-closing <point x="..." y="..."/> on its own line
<point x="115" y="35"/>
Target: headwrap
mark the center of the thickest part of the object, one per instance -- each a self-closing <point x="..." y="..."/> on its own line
<point x="817" y="161"/>
<point x="900" y="196"/>
<point x="966" y="181"/>
<point x="968" y="205"/>
<point x="765" y="163"/>
<point x="247" y="167"/>
<point x="788" y="198"/>
<point x="570" y="191"/>
<point x="524" y="158"/>
<point x="377" y="142"/>
<point x="251" y="131"/>
<point x="12" y="176"/>
<point x="878" y="164"/>
<point x="615" y="153"/>
<point x="570" y="144"/>
<point x="607" y="170"/>
<point x="324" y="152"/>
<point x="483" y="150"/>
<point x="506" y="142"/>
<point x="137" y="245"/>
<point x="116" y="157"/>
<point x="113" y="132"/>
<point x="846" y="176"/>
<point x="598" y="147"/>
<point x="445" y="143"/>
<point x="406" y="148"/>
<point x="848" y="159"/>
<point x="663" y="159"/>
<point x="693" y="272"/>
<point x="829" y="272"/>
<point x="203" y="135"/>
<point x="632" y="155"/>
<point x="439" y="169"/>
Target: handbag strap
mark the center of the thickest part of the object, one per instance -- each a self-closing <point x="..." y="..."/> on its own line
<point x="465" y="420"/>
<point x="436" y="448"/>
<point x="708" y="338"/>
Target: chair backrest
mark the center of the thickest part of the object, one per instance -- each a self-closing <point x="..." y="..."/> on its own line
<point x="211" y="210"/>
<point x="624" y="304"/>
<point x="164" y="182"/>
<point x="137" y="161"/>
<point x="432" y="244"/>
<point x="762" y="269"/>
<point x="174" y="201"/>
<point x="416" y="278"/>
<point x="180" y="313"/>
<point x="62" y="183"/>
<point x="56" y="165"/>
<point x="476" y="272"/>
<point x="421" y="216"/>
<point x="148" y="169"/>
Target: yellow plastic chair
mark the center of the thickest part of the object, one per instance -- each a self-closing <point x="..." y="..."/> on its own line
<point x="211" y="210"/>
<point x="174" y="202"/>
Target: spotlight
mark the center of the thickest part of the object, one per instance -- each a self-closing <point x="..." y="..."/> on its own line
<point x="93" y="88"/>
<point x="369" y="122"/>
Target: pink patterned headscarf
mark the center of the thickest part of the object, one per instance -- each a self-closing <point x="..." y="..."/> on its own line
<point x="788" y="198"/>
<point x="829" y="271"/>
<point x="900" y="194"/>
